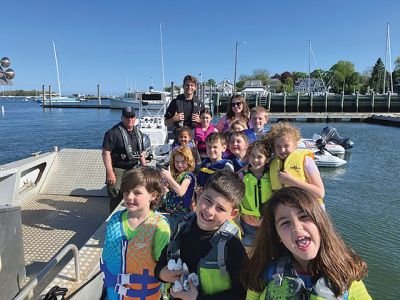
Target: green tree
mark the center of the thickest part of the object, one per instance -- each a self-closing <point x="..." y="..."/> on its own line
<point x="285" y="75"/>
<point x="344" y="76"/>
<point x="289" y="85"/>
<point x="261" y="74"/>
<point x="211" y="82"/>
<point x="376" y="80"/>
<point x="297" y="75"/>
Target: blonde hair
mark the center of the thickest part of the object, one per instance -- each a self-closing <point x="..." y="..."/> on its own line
<point x="284" y="129"/>
<point x="259" y="110"/>
<point x="187" y="155"/>
<point x="238" y="123"/>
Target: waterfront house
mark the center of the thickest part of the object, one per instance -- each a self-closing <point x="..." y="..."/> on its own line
<point x="253" y="87"/>
<point x="316" y="85"/>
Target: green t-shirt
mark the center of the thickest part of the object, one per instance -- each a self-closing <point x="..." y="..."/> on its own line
<point x="161" y="237"/>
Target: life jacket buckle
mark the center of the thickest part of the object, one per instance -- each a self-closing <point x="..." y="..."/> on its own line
<point x="123" y="279"/>
<point x="278" y="278"/>
<point x="120" y="289"/>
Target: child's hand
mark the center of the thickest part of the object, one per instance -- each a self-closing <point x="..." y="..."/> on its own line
<point x="285" y="177"/>
<point x="196" y="118"/>
<point x="191" y="294"/>
<point x="166" y="174"/>
<point x="170" y="276"/>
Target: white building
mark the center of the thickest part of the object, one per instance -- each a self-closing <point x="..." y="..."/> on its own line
<point x="316" y="85"/>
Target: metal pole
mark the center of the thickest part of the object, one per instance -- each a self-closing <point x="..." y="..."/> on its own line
<point x="234" y="76"/>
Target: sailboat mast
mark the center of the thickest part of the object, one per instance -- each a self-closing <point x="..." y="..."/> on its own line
<point x="309" y="66"/>
<point x="162" y="58"/>
<point x="58" y="74"/>
<point x="390" y="59"/>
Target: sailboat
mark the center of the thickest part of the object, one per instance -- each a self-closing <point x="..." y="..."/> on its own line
<point x="60" y="98"/>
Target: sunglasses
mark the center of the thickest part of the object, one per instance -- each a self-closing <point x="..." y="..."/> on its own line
<point x="129" y="117"/>
<point x="237" y="104"/>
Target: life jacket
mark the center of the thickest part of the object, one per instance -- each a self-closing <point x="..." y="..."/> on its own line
<point x="252" y="136"/>
<point x="287" y="284"/>
<point x="237" y="163"/>
<point x="257" y="192"/>
<point x="207" y="169"/>
<point x="127" y="144"/>
<point x="212" y="272"/>
<point x="128" y="266"/>
<point x="294" y="164"/>
<point x="200" y="136"/>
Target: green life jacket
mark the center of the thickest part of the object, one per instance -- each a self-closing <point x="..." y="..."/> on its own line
<point x="286" y="284"/>
<point x="213" y="276"/>
<point x="257" y="192"/>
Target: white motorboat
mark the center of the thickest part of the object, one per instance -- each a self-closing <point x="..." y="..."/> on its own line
<point x="325" y="159"/>
<point x="152" y="101"/>
<point x="310" y="144"/>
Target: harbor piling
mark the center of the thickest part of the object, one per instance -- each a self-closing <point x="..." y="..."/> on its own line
<point x="98" y="95"/>
<point x="50" y="94"/>
<point x="43" y="95"/>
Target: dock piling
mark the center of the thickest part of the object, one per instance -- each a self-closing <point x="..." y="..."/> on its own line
<point x="98" y="95"/>
<point x="50" y="94"/>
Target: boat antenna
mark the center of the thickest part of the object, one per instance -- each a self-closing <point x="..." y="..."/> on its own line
<point x="58" y="74"/>
<point x="162" y="58"/>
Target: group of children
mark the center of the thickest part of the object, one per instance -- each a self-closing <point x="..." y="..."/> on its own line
<point x="272" y="188"/>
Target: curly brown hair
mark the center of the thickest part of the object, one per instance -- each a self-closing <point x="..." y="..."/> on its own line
<point x="187" y="155"/>
<point x="284" y="129"/>
<point x="336" y="261"/>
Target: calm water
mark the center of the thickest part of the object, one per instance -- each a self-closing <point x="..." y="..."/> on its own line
<point x="362" y="197"/>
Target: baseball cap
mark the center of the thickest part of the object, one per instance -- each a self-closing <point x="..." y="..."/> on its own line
<point x="128" y="111"/>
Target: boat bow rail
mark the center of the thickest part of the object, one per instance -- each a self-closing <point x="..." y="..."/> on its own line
<point x="48" y="201"/>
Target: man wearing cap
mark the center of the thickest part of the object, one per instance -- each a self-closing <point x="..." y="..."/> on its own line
<point x="122" y="150"/>
<point x="185" y="110"/>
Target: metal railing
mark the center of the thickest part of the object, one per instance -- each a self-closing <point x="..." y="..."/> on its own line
<point x="25" y="292"/>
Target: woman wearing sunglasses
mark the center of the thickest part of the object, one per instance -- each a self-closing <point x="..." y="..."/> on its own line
<point x="237" y="110"/>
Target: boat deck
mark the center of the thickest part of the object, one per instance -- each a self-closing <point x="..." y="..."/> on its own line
<point x="49" y="222"/>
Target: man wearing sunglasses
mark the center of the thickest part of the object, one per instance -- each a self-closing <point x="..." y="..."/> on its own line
<point x="122" y="150"/>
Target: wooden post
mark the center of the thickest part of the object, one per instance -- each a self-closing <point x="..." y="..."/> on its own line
<point x="311" y="101"/>
<point x="43" y="96"/>
<point x="50" y="94"/>
<point x="284" y="102"/>
<point x="326" y="102"/>
<point x="342" y="101"/>
<point x="373" y="101"/>
<point x="98" y="95"/>
<point x="357" y="99"/>
<point x="389" y="100"/>
<point x="269" y="101"/>
<point x="298" y="101"/>
<point x="217" y="103"/>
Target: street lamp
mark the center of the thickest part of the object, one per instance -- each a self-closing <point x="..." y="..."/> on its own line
<point x="236" y="54"/>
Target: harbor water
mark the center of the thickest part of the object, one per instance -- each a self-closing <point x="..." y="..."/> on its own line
<point x="362" y="197"/>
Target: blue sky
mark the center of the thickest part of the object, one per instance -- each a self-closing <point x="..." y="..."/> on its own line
<point x="117" y="43"/>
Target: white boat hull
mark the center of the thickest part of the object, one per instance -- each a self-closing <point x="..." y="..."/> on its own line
<point x="327" y="160"/>
<point x="335" y="149"/>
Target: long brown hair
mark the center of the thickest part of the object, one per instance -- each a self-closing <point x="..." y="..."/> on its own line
<point x="187" y="155"/>
<point x="230" y="115"/>
<point x="335" y="261"/>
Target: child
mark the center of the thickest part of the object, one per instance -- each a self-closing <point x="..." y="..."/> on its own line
<point x="207" y="242"/>
<point x="258" y="190"/>
<point x="215" y="146"/>
<point x="258" y="119"/>
<point x="299" y="255"/>
<point x="238" y="144"/>
<point x="238" y="125"/>
<point x="136" y="225"/>
<point x="201" y="131"/>
<point x="182" y="184"/>
<point x="184" y="138"/>
<point x="292" y="167"/>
